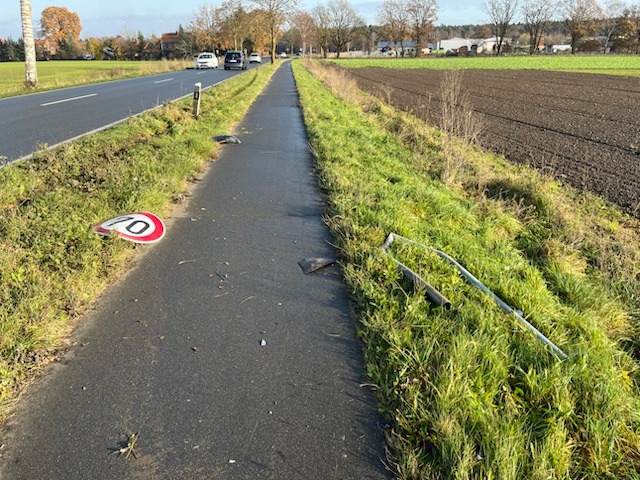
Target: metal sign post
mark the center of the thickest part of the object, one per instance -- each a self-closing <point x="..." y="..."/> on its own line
<point x="196" y="100"/>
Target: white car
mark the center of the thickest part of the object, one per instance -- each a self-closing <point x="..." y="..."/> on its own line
<point x="206" y="60"/>
<point x="255" y="57"/>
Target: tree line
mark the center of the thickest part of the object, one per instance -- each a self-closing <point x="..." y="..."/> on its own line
<point x="276" y="25"/>
<point x="588" y="24"/>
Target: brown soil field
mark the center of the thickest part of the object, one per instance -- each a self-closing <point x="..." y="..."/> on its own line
<point x="583" y="129"/>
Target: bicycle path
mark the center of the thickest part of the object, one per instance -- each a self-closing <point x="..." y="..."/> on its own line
<point x="216" y="349"/>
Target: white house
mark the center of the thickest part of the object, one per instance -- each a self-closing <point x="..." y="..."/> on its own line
<point x="392" y="49"/>
<point x="455" y="44"/>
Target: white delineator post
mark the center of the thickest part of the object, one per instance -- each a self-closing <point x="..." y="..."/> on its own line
<point x="196" y="100"/>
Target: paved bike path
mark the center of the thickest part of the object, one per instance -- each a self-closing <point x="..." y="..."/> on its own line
<point x="226" y="359"/>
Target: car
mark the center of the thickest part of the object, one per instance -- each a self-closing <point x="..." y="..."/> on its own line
<point x="283" y="55"/>
<point x="255" y="57"/>
<point x="235" y="59"/>
<point x="206" y="60"/>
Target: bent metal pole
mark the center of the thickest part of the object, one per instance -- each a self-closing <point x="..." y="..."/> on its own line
<point x="476" y="283"/>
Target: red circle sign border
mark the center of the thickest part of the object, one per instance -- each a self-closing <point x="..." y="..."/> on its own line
<point x="155" y="236"/>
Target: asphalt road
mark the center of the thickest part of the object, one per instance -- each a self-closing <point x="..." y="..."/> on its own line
<point x="226" y="359"/>
<point x="30" y="121"/>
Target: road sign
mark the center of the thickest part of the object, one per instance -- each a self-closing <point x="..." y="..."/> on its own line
<point x="138" y="227"/>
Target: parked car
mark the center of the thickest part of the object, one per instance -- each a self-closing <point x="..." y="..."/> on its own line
<point x="283" y="55"/>
<point x="235" y="59"/>
<point x="206" y="60"/>
<point x="255" y="57"/>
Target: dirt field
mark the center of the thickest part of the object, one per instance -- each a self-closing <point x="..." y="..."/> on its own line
<point x="583" y="129"/>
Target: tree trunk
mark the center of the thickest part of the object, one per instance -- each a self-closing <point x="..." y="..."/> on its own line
<point x="31" y="73"/>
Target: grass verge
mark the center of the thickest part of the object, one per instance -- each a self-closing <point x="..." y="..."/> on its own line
<point x="52" y="265"/>
<point x="71" y="73"/>
<point x="468" y="392"/>
<point x="604" y="64"/>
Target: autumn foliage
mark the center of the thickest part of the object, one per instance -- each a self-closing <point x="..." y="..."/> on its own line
<point x="59" y="24"/>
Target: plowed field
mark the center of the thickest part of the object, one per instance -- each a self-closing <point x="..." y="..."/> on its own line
<point x="583" y="129"/>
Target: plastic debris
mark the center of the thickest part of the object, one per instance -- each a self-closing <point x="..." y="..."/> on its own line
<point x="263" y="342"/>
<point x="312" y="264"/>
<point x="226" y="139"/>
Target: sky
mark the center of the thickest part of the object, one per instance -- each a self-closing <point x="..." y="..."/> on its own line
<point x="114" y="17"/>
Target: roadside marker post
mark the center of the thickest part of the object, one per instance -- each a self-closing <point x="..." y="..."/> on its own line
<point x="196" y="100"/>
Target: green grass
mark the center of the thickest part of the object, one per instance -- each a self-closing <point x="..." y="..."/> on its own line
<point x="66" y="73"/>
<point x="468" y="392"/>
<point x="52" y="265"/>
<point x="607" y="64"/>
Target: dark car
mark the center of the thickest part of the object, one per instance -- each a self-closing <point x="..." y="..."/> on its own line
<point x="235" y="59"/>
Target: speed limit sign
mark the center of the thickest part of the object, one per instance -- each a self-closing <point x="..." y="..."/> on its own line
<point x="139" y="227"/>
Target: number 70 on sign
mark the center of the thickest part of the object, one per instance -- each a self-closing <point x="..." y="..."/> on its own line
<point x="138" y="227"/>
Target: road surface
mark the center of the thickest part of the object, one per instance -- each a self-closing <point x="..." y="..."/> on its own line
<point x="29" y="121"/>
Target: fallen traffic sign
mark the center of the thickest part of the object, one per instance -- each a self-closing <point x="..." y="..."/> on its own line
<point x="138" y="227"/>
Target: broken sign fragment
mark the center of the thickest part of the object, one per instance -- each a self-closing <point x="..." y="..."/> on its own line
<point x="138" y="227"/>
<point x="312" y="264"/>
<point x="226" y="139"/>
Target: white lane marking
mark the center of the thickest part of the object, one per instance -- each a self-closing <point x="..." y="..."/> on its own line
<point x="165" y="80"/>
<point x="68" y="99"/>
<point x="201" y="73"/>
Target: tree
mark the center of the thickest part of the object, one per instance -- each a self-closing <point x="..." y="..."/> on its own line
<point x="302" y="23"/>
<point x="94" y="47"/>
<point x="579" y="17"/>
<point x="259" y="34"/>
<point x="234" y="23"/>
<point x="422" y="14"/>
<point x="395" y="22"/>
<point x="59" y="24"/>
<point x="31" y="73"/>
<point x="537" y="14"/>
<point x="343" y="22"/>
<point x="501" y="14"/>
<point x="206" y="28"/>
<point x="186" y="43"/>
<point x="612" y="11"/>
<point x="625" y="35"/>
<point x="320" y="15"/>
<point x="274" y="16"/>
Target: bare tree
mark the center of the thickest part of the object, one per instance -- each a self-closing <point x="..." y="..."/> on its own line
<point x="320" y="15"/>
<point x="274" y="16"/>
<point x="537" y="15"/>
<point x="422" y="14"/>
<point x="395" y="22"/>
<point x="501" y="14"/>
<point x="612" y="12"/>
<point x="205" y="27"/>
<point x="343" y="22"/>
<point x="580" y="17"/>
<point x="302" y="23"/>
<point x="31" y="72"/>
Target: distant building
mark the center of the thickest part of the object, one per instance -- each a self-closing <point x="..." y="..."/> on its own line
<point x="400" y="49"/>
<point x="168" y="44"/>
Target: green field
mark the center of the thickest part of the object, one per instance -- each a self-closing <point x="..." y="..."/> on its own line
<point x="66" y="73"/>
<point x="607" y="64"/>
